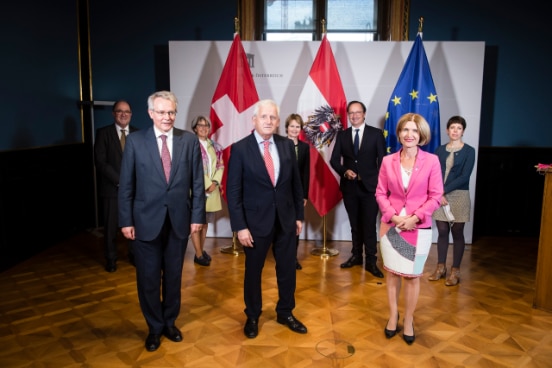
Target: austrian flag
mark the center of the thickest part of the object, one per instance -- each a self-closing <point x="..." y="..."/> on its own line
<point x="323" y="106"/>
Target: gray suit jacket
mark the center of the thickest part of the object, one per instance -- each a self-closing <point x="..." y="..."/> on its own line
<point x="145" y="197"/>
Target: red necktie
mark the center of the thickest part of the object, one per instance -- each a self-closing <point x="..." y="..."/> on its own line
<point x="268" y="162"/>
<point x="166" y="157"/>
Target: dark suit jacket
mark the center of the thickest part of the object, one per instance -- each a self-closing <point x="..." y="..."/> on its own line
<point x="303" y="160"/>
<point x="253" y="202"/>
<point x="366" y="165"/>
<point x="145" y="197"/>
<point x="107" y="158"/>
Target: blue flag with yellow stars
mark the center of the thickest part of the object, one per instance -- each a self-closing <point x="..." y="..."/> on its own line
<point x="414" y="92"/>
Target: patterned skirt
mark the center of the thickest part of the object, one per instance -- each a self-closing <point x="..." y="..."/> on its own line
<point x="460" y="206"/>
<point x="404" y="253"/>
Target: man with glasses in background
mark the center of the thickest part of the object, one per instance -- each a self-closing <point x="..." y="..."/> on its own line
<point x="356" y="158"/>
<point x="161" y="202"/>
<point x="108" y="153"/>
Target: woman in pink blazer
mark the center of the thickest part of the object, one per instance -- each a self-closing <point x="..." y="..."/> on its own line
<point x="409" y="190"/>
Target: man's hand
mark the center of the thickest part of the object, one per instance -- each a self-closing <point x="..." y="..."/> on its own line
<point x="245" y="238"/>
<point x="128" y="232"/>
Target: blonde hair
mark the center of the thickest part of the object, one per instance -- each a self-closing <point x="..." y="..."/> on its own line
<point x="421" y="125"/>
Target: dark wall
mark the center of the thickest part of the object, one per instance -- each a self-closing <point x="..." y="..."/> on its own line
<point x="46" y="166"/>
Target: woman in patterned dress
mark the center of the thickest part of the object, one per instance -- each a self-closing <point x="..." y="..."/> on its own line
<point x="409" y="189"/>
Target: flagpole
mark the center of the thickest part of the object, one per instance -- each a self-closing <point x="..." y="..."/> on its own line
<point x="236" y="248"/>
<point x="324" y="252"/>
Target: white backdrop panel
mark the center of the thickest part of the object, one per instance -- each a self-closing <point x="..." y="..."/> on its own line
<point x="369" y="72"/>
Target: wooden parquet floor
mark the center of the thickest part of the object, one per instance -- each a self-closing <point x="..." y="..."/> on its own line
<point x="61" y="309"/>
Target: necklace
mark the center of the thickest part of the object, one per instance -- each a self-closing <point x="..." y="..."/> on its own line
<point x="408" y="171"/>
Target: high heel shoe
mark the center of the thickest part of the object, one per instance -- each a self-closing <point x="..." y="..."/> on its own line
<point x="390" y="333"/>
<point x="454" y="277"/>
<point x="440" y="272"/>
<point x="409" y="339"/>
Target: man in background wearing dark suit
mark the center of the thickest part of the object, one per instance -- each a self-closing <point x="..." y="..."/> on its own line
<point x="108" y="153"/>
<point x="265" y="203"/>
<point x="161" y="202"/>
<point x="356" y="158"/>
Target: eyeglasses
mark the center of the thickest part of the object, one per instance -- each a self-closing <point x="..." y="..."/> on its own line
<point x="202" y="125"/>
<point x="123" y="112"/>
<point x="163" y="113"/>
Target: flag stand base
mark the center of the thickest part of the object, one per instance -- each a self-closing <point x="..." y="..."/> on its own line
<point x="324" y="252"/>
<point x="234" y="249"/>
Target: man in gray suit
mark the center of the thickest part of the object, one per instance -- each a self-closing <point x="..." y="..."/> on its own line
<point x="161" y="202"/>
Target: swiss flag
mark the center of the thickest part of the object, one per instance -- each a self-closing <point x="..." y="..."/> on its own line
<point x="323" y="106"/>
<point x="233" y="102"/>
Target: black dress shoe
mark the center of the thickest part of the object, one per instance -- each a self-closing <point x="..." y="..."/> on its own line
<point x="201" y="260"/>
<point x="374" y="270"/>
<point x="111" y="266"/>
<point x="251" y="329"/>
<point x="153" y="341"/>
<point x="293" y="324"/>
<point x="298" y="265"/>
<point x="173" y="334"/>
<point x="206" y="255"/>
<point x="409" y="339"/>
<point x="353" y="261"/>
<point x="390" y="333"/>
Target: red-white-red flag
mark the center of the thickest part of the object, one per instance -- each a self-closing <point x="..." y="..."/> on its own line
<point x="233" y="101"/>
<point x="323" y="106"/>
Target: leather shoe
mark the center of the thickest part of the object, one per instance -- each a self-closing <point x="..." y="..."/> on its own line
<point x="251" y="329"/>
<point x="409" y="339"/>
<point x="153" y="341"/>
<point x="201" y="260"/>
<point x="374" y="270"/>
<point x="353" y="261"/>
<point x="172" y="333"/>
<point x="111" y="266"/>
<point x="293" y="324"/>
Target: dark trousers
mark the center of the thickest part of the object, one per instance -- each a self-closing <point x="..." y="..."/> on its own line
<point x="362" y="209"/>
<point x="110" y="213"/>
<point x="285" y="253"/>
<point x="159" y="276"/>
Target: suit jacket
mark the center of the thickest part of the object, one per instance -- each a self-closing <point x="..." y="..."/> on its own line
<point x="253" y="202"/>
<point x="303" y="160"/>
<point x="460" y="172"/>
<point x="107" y="158"/>
<point x="421" y="197"/>
<point x="366" y="164"/>
<point x="145" y="197"/>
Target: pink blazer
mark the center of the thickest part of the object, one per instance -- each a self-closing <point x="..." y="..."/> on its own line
<point x="421" y="198"/>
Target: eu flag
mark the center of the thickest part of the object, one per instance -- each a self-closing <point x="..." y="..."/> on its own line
<point x="414" y="92"/>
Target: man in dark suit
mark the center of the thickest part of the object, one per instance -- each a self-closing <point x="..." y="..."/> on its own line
<point x="161" y="202"/>
<point x="108" y="153"/>
<point x="265" y="203"/>
<point x="356" y="157"/>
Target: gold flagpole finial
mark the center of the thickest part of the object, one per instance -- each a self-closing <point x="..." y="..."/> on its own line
<point x="236" y="25"/>
<point x="420" y="24"/>
<point x="323" y="21"/>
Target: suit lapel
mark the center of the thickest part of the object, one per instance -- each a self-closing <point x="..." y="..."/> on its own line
<point x="255" y="152"/>
<point x="153" y="150"/>
<point x="177" y="149"/>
